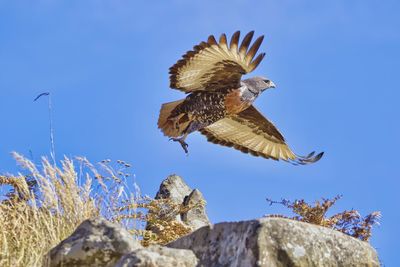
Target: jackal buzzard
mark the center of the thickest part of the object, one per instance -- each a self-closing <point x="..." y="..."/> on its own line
<point x="219" y="103"/>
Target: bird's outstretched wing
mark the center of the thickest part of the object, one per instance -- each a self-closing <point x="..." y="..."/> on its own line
<point x="250" y="132"/>
<point x="216" y="65"/>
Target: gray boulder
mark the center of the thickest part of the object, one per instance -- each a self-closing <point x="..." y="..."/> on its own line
<point x="95" y="242"/>
<point x="175" y="189"/>
<point x="275" y="242"/>
<point x="158" y="256"/>
<point x="196" y="217"/>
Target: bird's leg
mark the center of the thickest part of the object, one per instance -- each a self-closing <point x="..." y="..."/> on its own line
<point x="181" y="140"/>
<point x="193" y="126"/>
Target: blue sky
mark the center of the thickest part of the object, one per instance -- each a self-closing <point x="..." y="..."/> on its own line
<point x="106" y="65"/>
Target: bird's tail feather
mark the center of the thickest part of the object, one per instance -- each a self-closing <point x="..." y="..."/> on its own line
<point x="304" y="160"/>
<point x="172" y="126"/>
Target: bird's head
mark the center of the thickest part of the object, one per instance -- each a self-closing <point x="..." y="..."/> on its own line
<point x="259" y="84"/>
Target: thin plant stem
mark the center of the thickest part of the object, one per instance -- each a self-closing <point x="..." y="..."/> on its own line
<point x="50" y="108"/>
<point x="53" y="150"/>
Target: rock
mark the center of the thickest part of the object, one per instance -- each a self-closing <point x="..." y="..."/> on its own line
<point x="179" y="192"/>
<point x="195" y="217"/>
<point x="173" y="187"/>
<point x="275" y="242"/>
<point x="157" y="256"/>
<point x="96" y="242"/>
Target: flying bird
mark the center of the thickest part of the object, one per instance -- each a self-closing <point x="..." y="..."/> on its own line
<point x="220" y="105"/>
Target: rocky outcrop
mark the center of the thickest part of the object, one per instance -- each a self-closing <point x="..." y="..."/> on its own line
<point x="175" y="189"/>
<point x="272" y="242"/>
<point x="275" y="242"/>
<point x="95" y="242"/>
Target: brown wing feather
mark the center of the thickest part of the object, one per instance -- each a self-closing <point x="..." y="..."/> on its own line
<point x="213" y="65"/>
<point x="250" y="132"/>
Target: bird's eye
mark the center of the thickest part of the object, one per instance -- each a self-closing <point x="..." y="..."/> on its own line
<point x="266" y="81"/>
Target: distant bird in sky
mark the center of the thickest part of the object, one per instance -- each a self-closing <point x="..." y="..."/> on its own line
<point x="219" y="103"/>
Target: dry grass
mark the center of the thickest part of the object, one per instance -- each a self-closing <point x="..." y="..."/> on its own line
<point x="349" y="222"/>
<point x="44" y="205"/>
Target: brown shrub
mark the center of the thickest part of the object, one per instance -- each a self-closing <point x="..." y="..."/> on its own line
<point x="349" y="222"/>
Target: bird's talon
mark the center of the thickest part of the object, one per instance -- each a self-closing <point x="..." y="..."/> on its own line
<point x="182" y="142"/>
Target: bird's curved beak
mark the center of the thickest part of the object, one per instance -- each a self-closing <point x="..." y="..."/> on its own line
<point x="271" y="84"/>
